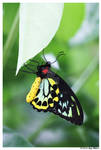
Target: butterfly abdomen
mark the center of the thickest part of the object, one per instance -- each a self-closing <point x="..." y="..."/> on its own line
<point x="34" y="89"/>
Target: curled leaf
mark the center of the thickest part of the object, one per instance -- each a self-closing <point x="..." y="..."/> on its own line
<point x="38" y="24"/>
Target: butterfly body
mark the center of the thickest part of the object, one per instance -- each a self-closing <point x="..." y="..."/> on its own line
<point x="50" y="92"/>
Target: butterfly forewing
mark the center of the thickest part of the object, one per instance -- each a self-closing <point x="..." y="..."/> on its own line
<point x="68" y="106"/>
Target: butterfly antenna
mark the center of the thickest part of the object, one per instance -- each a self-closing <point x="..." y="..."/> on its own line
<point x="59" y="54"/>
<point x="29" y="68"/>
<point x="35" y="61"/>
<point x="44" y="56"/>
<point x="27" y="71"/>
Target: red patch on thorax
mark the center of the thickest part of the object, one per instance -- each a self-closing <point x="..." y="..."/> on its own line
<point x="45" y="71"/>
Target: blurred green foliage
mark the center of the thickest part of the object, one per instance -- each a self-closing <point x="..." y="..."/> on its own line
<point x="71" y="20"/>
<point x="26" y="127"/>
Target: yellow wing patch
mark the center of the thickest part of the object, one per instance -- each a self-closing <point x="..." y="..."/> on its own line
<point x="57" y="91"/>
<point x="39" y="107"/>
<point x="52" y="82"/>
<point x="56" y="99"/>
<point x="35" y="86"/>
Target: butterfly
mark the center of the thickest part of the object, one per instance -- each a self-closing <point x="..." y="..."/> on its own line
<point x="50" y="93"/>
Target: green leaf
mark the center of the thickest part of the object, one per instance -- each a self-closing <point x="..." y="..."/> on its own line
<point x="72" y="18"/>
<point x="12" y="139"/>
<point x="10" y="27"/>
<point x="89" y="29"/>
<point x="9" y="13"/>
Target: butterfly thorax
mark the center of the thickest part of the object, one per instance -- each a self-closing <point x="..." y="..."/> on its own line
<point x="43" y="70"/>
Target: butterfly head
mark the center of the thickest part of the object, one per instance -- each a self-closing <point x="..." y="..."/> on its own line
<point x="43" y="70"/>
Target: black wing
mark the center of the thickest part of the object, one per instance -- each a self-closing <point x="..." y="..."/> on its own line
<point x="68" y="106"/>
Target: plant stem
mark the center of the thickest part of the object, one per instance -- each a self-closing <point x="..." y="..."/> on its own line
<point x="86" y="74"/>
<point x="11" y="39"/>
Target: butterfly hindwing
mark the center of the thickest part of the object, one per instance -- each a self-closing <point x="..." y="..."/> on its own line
<point x="47" y="95"/>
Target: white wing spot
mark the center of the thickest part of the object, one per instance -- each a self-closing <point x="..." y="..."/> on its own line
<point x="59" y="111"/>
<point x="60" y="103"/>
<point x="64" y="104"/>
<point x="64" y="113"/>
<point x="70" y="112"/>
